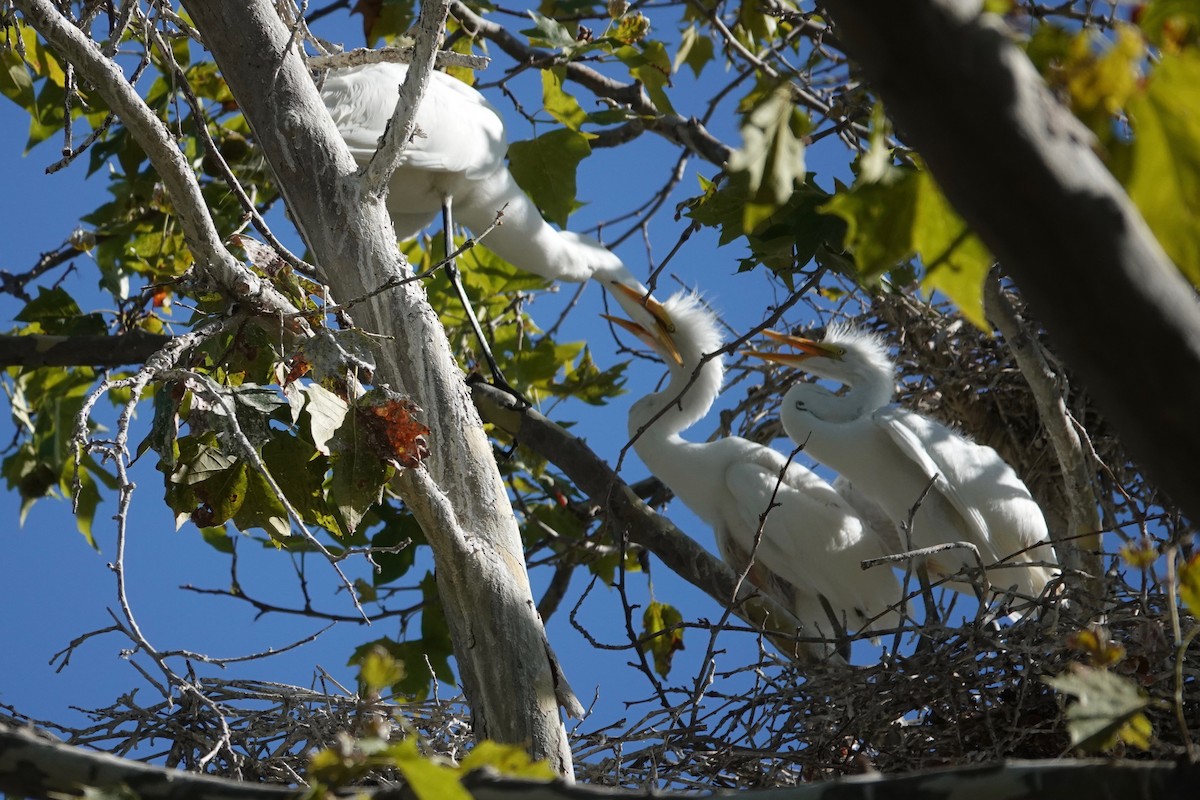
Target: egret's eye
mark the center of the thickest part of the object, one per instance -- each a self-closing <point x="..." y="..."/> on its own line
<point x="799" y="405"/>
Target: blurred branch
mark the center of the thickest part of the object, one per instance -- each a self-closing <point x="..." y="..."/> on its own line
<point x="36" y="766"/>
<point x="42" y="350"/>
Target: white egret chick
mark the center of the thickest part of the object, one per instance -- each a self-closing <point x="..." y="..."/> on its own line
<point x="812" y="543"/>
<point x="891" y="454"/>
<point x="456" y="160"/>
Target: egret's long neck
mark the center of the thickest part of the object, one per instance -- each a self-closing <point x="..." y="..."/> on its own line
<point x="868" y="392"/>
<point x="523" y="238"/>
<point x="684" y="405"/>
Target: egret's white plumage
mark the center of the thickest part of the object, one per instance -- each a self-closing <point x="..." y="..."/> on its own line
<point x="812" y="543"/>
<point x="458" y="154"/>
<point x="891" y="454"/>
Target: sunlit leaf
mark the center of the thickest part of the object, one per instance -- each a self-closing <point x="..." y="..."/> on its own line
<point x="507" y="759"/>
<point x="695" y="50"/>
<point x="659" y="618"/>
<point x="1164" y="169"/>
<point x="771" y="156"/>
<point x="559" y="103"/>
<point x="1189" y="585"/>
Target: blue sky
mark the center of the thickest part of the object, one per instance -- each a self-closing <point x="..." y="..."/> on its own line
<point x="60" y="588"/>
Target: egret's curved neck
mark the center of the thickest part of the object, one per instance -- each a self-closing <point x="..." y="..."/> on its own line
<point x="867" y="390"/>
<point x="685" y="402"/>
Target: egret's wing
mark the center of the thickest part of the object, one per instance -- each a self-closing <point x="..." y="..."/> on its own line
<point x="806" y="526"/>
<point x="459" y="131"/>
<point x="914" y="435"/>
<point x="875" y="519"/>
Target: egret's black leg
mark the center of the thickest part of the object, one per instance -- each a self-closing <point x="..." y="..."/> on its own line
<point x="498" y="379"/>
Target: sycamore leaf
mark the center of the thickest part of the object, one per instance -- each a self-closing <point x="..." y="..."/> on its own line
<point x="545" y="168"/>
<point x="558" y="102"/>
<point x="1169" y="24"/>
<point x="262" y="508"/>
<point x="507" y="759"/>
<point x="772" y="155"/>
<point x="425" y="778"/>
<point x="657" y="619"/>
<point x="889" y="222"/>
<point x="1189" y="585"/>
<point x="330" y="354"/>
<point x="549" y="33"/>
<point x="956" y="261"/>
<point x="378" y="669"/>
<point x="1107" y="708"/>
<point x="1164" y="169"/>
<point x="396" y="435"/>
<point x="695" y="50"/>
<point x="652" y="66"/>
<point x="326" y="412"/>
<point x="359" y="472"/>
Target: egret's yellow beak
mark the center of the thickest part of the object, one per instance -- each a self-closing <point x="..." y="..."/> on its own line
<point x="659" y="340"/>
<point x="655" y="308"/>
<point x="807" y="347"/>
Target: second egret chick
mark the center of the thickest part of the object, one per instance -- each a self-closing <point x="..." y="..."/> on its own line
<point x="812" y="543"/>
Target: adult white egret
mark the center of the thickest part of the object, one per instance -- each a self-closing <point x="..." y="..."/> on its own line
<point x="891" y="455"/>
<point x="812" y="543"/>
<point x="456" y="161"/>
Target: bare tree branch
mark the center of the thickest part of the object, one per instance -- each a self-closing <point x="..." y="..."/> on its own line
<point x="38" y="767"/>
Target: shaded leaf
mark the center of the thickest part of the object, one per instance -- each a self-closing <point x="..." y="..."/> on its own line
<point x="545" y="168"/>
<point x="771" y="156"/>
<point x="1107" y="708"/>
<point x="1189" y="585"/>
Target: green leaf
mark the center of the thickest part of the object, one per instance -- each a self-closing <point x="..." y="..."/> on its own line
<point x="695" y="50"/>
<point x="956" y="261"/>
<point x="507" y="759"/>
<point x="378" y="669"/>
<point x="889" y="222"/>
<point x="262" y="508"/>
<point x="55" y="312"/>
<point x="559" y="103"/>
<point x="300" y="471"/>
<point x="426" y="779"/>
<point x="1189" y="585"/>
<point x="1107" y="708"/>
<point x="657" y="619"/>
<point x="1170" y="24"/>
<point x="359" y="474"/>
<point x="772" y="155"/>
<point x="545" y="168"/>
<point x="652" y="66"/>
<point x="549" y="33"/>
<point x="1164" y="169"/>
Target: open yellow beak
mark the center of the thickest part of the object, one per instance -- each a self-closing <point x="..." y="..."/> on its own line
<point x="655" y="308"/>
<point x="807" y="347"/>
<point x="659" y="340"/>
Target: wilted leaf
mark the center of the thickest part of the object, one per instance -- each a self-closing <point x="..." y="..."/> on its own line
<point x="657" y="619"/>
<point x="398" y="436"/>
<point x="1107" y="708"/>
